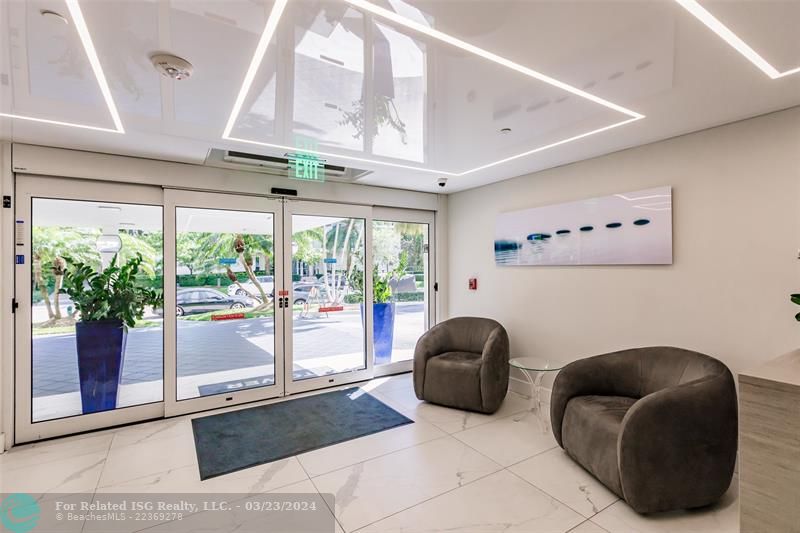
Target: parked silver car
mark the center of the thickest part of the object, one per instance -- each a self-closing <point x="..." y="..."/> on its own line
<point x="267" y="283"/>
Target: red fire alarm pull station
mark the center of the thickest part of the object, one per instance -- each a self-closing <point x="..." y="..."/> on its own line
<point x="473" y="284"/>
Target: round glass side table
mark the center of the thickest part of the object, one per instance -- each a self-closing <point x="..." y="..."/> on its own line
<point x="534" y="370"/>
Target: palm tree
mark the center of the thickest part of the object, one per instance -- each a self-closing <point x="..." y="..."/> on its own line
<point x="309" y="247"/>
<point x="55" y="246"/>
<point x="245" y="247"/>
<point x="49" y="246"/>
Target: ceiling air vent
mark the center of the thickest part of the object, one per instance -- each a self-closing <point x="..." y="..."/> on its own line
<point x="274" y="165"/>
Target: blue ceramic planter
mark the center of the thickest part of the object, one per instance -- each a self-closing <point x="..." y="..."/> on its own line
<point x="101" y="350"/>
<point x="382" y="331"/>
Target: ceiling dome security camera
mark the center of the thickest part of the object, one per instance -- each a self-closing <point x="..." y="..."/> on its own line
<point x="441" y="182"/>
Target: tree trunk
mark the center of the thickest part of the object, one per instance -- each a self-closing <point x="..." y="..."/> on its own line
<point x="266" y="303"/>
<point x="56" y="296"/>
<point x="37" y="276"/>
<point x="345" y="256"/>
<point x="250" y="294"/>
<point x="335" y="249"/>
<point x="359" y="238"/>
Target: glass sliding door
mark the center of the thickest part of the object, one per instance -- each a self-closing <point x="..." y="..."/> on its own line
<point x="402" y="308"/>
<point x="263" y="297"/>
<point x="222" y="317"/>
<point x="327" y="283"/>
<point x="65" y="382"/>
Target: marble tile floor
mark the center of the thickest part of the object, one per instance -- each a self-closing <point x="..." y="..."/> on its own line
<point x="449" y="471"/>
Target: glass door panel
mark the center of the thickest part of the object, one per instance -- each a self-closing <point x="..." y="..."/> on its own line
<point x="327" y="339"/>
<point x="221" y="304"/>
<point x="400" y="254"/>
<point x="66" y="234"/>
<point x="402" y="251"/>
<point x="224" y="301"/>
<point x="78" y="366"/>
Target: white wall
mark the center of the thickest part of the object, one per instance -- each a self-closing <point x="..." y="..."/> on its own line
<point x="736" y="228"/>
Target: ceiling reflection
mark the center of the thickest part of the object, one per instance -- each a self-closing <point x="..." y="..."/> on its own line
<point x="441" y="87"/>
<point x="382" y="84"/>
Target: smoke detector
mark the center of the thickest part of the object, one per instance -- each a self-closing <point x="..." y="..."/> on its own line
<point x="173" y="67"/>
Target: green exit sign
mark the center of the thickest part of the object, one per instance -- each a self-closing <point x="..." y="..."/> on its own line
<point x="306" y="167"/>
<point x="304" y="164"/>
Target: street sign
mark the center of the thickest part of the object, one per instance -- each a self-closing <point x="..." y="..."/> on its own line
<point x="227" y="260"/>
<point x="330" y="260"/>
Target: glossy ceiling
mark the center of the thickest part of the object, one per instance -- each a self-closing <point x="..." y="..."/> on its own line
<point x="412" y="90"/>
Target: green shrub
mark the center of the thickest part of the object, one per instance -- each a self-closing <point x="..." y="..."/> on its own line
<point x="410" y="296"/>
<point x="353" y="298"/>
<point x="356" y="298"/>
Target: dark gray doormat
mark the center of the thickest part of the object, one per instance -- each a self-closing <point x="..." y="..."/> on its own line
<point x="236" y="440"/>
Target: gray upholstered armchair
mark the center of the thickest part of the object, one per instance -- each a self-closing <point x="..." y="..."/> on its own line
<point x="657" y="426"/>
<point x="463" y="363"/>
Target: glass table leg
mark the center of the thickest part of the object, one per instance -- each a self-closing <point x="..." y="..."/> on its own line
<point x="536" y="397"/>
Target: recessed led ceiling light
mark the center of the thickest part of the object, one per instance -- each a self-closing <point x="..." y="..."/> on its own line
<point x="86" y="39"/>
<point x="258" y="56"/>
<point x="269" y="30"/>
<point x="713" y="23"/>
<point x="505" y="131"/>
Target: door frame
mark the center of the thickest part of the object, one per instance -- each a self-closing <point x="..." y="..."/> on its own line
<point x="396" y="214"/>
<point x="173" y="199"/>
<point x="309" y="207"/>
<point x="27" y="188"/>
<point x="31" y="186"/>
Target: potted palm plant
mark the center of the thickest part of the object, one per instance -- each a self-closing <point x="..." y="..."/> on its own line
<point x="109" y="302"/>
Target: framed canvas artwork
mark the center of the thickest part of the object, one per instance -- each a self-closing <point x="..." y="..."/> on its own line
<point x="634" y="228"/>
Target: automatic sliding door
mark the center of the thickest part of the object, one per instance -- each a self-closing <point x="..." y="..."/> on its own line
<point x="221" y="300"/>
<point x="78" y="367"/>
<point x="327" y="284"/>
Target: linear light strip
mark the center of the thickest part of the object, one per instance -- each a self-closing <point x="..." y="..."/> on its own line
<point x="553" y="145"/>
<point x="269" y="31"/>
<point x="637" y="198"/>
<point x="60" y="123"/>
<point x="449" y="39"/>
<point x="255" y="63"/>
<point x="91" y="53"/>
<point x="714" y="24"/>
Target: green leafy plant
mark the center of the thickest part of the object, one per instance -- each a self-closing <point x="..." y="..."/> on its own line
<point x="796" y="300"/>
<point x="381" y="290"/>
<point x="111" y="294"/>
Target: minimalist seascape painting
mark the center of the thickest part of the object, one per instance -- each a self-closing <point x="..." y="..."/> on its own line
<point x="634" y="228"/>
